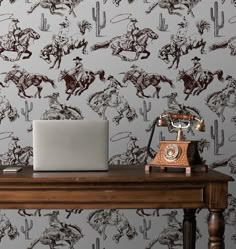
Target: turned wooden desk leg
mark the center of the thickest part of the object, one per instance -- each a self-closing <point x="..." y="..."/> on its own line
<point x="189" y="229"/>
<point x="216" y="229"/>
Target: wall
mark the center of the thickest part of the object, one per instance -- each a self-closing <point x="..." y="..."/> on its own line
<point x="206" y="32"/>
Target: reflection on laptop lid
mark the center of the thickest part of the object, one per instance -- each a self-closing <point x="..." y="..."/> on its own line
<point x="70" y="145"/>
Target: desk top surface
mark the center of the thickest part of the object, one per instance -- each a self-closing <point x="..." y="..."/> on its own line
<point x="118" y="174"/>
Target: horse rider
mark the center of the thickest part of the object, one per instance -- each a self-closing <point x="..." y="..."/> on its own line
<point x="24" y="76"/>
<point x="132" y="31"/>
<point x="172" y="220"/>
<point x="113" y="81"/>
<point x="54" y="104"/>
<point x="53" y="219"/>
<point x="110" y="90"/>
<point x="231" y="82"/>
<point x="63" y="32"/>
<point x="77" y="70"/>
<point x="132" y="149"/>
<point x="172" y="103"/>
<point x="14" y="148"/>
<point x="139" y="74"/>
<point x="196" y="71"/>
<point x="180" y="38"/>
<point x="13" y="32"/>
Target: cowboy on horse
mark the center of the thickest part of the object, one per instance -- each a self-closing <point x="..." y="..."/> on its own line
<point x="196" y="71"/>
<point x="132" y="31"/>
<point x="77" y="70"/>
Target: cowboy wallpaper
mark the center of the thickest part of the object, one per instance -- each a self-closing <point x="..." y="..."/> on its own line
<point x="127" y="61"/>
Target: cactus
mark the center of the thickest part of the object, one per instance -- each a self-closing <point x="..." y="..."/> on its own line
<point x="27" y="228"/>
<point x="162" y="26"/>
<point x="97" y="18"/>
<point x="215" y="19"/>
<point x="25" y="112"/>
<point x="215" y="136"/>
<point x="97" y="245"/>
<point x="145" y="110"/>
<point x="145" y="228"/>
<point x="44" y="26"/>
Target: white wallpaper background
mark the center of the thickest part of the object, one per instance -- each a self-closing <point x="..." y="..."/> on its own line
<point x="130" y="115"/>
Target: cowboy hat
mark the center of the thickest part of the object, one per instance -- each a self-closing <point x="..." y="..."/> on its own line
<point x="196" y="58"/>
<point x="77" y="58"/>
<point x="15" y="20"/>
<point x="133" y="20"/>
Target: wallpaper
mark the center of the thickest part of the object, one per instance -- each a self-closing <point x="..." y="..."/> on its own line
<point x="127" y="61"/>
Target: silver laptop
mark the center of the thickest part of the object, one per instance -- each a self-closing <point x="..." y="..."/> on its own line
<point x="70" y="145"/>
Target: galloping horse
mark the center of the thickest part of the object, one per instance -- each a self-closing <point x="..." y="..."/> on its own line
<point x="122" y="43"/>
<point x="52" y="6"/>
<point x="21" y="47"/>
<point x="86" y="79"/>
<point x="150" y="79"/>
<point x="32" y="80"/>
<point x="204" y="80"/>
<point x="170" y="6"/>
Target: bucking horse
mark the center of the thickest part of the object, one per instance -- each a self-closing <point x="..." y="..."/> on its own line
<point x="100" y="219"/>
<point x="123" y="43"/>
<point x="56" y="235"/>
<point x="218" y="101"/>
<point x="172" y="52"/>
<point x="57" y="50"/>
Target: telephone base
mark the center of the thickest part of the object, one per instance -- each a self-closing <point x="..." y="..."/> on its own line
<point x="188" y="169"/>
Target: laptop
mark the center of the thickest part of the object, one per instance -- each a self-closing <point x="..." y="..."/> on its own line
<point x="70" y="145"/>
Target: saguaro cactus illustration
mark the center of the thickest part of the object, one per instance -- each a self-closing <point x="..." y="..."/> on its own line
<point x="145" y="228"/>
<point x="162" y="26"/>
<point x="44" y="26"/>
<point x="25" y="112"/>
<point x="96" y="14"/>
<point x="97" y="245"/>
<point x="27" y="228"/>
<point x="215" y="19"/>
<point x="215" y="137"/>
<point x="145" y="110"/>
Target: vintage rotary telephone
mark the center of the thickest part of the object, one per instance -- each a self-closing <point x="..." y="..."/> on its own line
<point x="179" y="153"/>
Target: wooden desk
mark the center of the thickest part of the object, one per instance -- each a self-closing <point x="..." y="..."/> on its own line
<point x="124" y="187"/>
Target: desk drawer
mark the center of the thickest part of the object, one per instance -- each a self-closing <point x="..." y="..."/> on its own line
<point x="112" y="196"/>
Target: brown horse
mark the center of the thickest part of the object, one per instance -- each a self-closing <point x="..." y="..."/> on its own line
<point x="123" y="43"/>
<point x="149" y="79"/>
<point x="190" y="84"/>
<point x="86" y="79"/>
<point x="30" y="80"/>
<point x="20" y="47"/>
